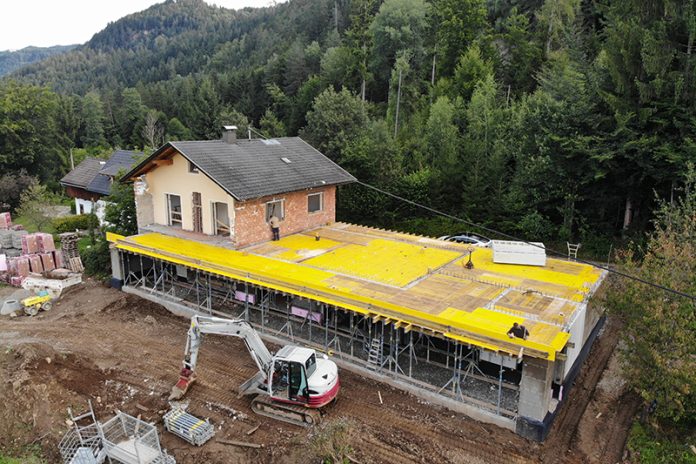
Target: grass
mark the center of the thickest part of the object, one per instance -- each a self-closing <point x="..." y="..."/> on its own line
<point x="650" y="447"/>
<point x="31" y="227"/>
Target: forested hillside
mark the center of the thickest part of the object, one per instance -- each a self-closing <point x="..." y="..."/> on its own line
<point x="555" y="119"/>
<point x="12" y="60"/>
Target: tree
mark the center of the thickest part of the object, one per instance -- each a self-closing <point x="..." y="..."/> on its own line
<point x="11" y="188"/>
<point x="153" y="132"/>
<point x="35" y="205"/>
<point x="131" y="115"/>
<point x="335" y="119"/>
<point x="658" y="350"/>
<point x="470" y="70"/>
<point x="458" y="23"/>
<point x="556" y="17"/>
<point x="271" y="125"/>
<point x="92" y="121"/>
<point x="398" y="27"/>
<point x="29" y="137"/>
<point x="120" y="212"/>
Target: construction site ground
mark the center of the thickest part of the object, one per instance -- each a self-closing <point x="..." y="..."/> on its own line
<point x="122" y="352"/>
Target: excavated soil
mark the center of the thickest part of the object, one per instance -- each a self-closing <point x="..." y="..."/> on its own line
<point x="123" y="353"/>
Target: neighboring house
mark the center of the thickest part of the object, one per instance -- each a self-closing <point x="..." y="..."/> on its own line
<point x="91" y="180"/>
<point x="233" y="187"/>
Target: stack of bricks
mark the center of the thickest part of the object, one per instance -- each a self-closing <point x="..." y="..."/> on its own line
<point x="35" y="253"/>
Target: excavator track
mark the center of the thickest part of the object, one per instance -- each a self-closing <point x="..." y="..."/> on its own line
<point x="292" y="414"/>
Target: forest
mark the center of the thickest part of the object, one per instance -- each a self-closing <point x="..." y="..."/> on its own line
<point x="552" y="120"/>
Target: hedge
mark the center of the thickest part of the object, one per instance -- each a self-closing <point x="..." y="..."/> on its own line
<point x="77" y="222"/>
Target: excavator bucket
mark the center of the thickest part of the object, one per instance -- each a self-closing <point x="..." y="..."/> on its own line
<point x="186" y="378"/>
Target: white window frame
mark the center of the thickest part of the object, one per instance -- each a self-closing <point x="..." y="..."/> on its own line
<point x="170" y="222"/>
<point x="321" y="202"/>
<point x="282" y="209"/>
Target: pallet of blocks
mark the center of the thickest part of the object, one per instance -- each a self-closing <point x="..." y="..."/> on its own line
<point x="71" y="255"/>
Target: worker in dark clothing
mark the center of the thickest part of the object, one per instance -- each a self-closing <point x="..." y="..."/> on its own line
<point x="518" y="331"/>
<point x="275" y="227"/>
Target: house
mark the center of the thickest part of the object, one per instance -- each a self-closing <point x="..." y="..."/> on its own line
<point x="91" y="180"/>
<point x="232" y="187"/>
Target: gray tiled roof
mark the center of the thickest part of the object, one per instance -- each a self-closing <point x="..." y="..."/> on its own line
<point x="255" y="168"/>
<point x="83" y="174"/>
<point x="120" y="160"/>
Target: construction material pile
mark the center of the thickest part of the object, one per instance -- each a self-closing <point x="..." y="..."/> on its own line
<point x="190" y="428"/>
<point x="22" y="253"/>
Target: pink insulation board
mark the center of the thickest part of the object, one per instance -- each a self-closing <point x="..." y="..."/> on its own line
<point x="58" y="259"/>
<point x="5" y="221"/>
<point x="3" y="263"/>
<point x="35" y="263"/>
<point x="45" y="242"/>
<point x="19" y="266"/>
<point x="47" y="262"/>
<point x="29" y="244"/>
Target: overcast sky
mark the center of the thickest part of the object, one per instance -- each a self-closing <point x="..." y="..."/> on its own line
<point x="43" y="23"/>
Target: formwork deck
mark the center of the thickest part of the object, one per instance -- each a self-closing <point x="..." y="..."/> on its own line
<point x="416" y="282"/>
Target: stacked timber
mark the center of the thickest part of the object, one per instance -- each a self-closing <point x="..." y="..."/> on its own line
<point x="71" y="255"/>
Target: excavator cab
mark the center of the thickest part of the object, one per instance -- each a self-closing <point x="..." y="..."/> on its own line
<point x="289" y="381"/>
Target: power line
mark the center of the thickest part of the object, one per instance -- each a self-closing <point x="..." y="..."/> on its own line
<point x="512" y="237"/>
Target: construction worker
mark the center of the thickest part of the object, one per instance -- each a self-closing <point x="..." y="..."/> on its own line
<point x="518" y="331"/>
<point x="275" y="227"/>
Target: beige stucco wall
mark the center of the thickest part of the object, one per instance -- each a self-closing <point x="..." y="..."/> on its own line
<point x="176" y="179"/>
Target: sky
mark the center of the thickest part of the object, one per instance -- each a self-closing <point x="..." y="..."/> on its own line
<point x="43" y="23"/>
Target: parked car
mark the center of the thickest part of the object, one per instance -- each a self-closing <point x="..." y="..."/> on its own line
<point x="468" y="238"/>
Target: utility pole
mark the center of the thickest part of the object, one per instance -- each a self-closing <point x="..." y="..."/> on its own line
<point x="398" y="101"/>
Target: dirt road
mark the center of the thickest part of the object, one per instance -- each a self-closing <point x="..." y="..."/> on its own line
<point x="124" y="353"/>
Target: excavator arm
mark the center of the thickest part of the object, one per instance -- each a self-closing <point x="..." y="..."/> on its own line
<point x="216" y="325"/>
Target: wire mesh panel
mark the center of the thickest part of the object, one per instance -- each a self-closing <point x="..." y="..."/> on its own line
<point x="129" y="440"/>
<point x="80" y="445"/>
<point x="192" y="429"/>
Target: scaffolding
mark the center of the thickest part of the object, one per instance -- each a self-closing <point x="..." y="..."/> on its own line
<point x="390" y="348"/>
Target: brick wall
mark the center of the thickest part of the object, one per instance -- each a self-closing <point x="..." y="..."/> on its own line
<point x="250" y="216"/>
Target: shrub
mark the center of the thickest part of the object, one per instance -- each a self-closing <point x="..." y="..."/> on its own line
<point x="73" y="223"/>
<point x="96" y="259"/>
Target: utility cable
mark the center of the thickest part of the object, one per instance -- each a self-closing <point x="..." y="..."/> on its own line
<point x="512" y="237"/>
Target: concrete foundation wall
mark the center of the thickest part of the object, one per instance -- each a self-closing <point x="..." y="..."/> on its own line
<point x="251" y="225"/>
<point x="535" y="388"/>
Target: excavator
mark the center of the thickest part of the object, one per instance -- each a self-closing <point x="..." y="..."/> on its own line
<point x="291" y="385"/>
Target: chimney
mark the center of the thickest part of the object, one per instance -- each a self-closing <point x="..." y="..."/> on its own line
<point x="229" y="134"/>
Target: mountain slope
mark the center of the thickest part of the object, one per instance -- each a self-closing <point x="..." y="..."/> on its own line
<point x="179" y="38"/>
<point x="12" y="60"/>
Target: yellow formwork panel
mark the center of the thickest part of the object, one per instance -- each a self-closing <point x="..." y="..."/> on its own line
<point x="496" y="325"/>
<point x="580" y="281"/>
<point x="308" y="282"/>
<point x="385" y="261"/>
<point x="298" y="247"/>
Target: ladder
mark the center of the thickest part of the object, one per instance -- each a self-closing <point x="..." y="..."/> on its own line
<point x="374" y="358"/>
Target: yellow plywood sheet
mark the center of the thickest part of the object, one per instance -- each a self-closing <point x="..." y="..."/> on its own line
<point x="299" y="247"/>
<point x="384" y="261"/>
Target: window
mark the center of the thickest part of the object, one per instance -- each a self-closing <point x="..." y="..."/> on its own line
<point x="174" y="210"/>
<point x="275" y="208"/>
<point x="192" y="168"/>
<point x="315" y="202"/>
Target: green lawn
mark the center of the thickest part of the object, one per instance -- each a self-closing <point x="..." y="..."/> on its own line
<point x="664" y="448"/>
